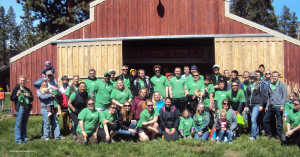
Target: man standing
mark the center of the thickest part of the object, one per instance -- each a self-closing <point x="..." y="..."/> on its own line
<point x="190" y="77"/>
<point x="176" y="90"/>
<point x="141" y="82"/>
<point x="91" y="83"/>
<point x="186" y="70"/>
<point x="276" y="99"/>
<point x="261" y="69"/>
<point x="103" y="91"/>
<point x="124" y="76"/>
<point x="217" y="77"/>
<point x="160" y="82"/>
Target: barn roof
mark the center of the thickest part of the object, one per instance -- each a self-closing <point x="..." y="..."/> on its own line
<point x="55" y="39"/>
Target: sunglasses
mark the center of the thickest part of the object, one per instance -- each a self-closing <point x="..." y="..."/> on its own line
<point x="150" y="105"/>
<point x="113" y="108"/>
<point x="195" y="75"/>
<point x="90" y="104"/>
<point x="124" y="69"/>
<point x="268" y="73"/>
<point x="157" y="70"/>
<point x="234" y="85"/>
<point x="225" y="104"/>
<point x="127" y="105"/>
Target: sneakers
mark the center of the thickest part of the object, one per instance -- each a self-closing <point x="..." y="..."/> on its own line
<point x="230" y="142"/>
<point x="218" y="142"/>
<point x="61" y="138"/>
<point x="252" y="139"/>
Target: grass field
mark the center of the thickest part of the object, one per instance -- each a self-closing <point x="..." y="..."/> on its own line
<point x="66" y="147"/>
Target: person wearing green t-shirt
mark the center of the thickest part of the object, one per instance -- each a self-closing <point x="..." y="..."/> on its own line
<point x="125" y="77"/>
<point x="91" y="83"/>
<point x="237" y="97"/>
<point x="246" y="81"/>
<point x="176" y="90"/>
<point x="113" y="79"/>
<point x="120" y="94"/>
<point x="103" y="92"/>
<point x="292" y="136"/>
<point x="108" y="126"/>
<point x="160" y="82"/>
<point x="289" y="105"/>
<point x="89" y="120"/>
<point x="186" y="125"/>
<point x="73" y="87"/>
<point x="201" y="120"/>
<point x="147" y="125"/>
<point x="190" y="78"/>
<point x="190" y="92"/>
<point x="220" y="95"/>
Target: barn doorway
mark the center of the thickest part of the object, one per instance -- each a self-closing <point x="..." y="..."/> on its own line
<point x="169" y="53"/>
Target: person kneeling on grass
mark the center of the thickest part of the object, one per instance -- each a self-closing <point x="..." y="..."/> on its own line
<point x="147" y="125"/>
<point x="201" y="120"/>
<point x="108" y="126"/>
<point x="292" y="136"/>
<point x="186" y="125"/>
<point x="127" y="122"/>
<point x="89" y="124"/>
<point x="169" y="120"/>
<point x="223" y="126"/>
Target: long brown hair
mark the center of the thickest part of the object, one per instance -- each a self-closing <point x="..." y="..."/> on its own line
<point x="124" y="112"/>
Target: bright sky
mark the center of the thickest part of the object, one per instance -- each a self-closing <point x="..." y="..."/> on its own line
<point x="278" y="5"/>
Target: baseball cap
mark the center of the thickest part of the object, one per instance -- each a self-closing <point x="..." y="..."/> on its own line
<point x="194" y="67"/>
<point x="216" y="66"/>
<point x="252" y="74"/>
<point x="48" y="63"/>
<point x="49" y="72"/>
<point x="107" y="73"/>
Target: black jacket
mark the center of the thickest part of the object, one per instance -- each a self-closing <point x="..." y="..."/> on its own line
<point x="255" y="96"/>
<point x="220" y="78"/>
<point x="135" y="88"/>
<point x="169" y="118"/>
<point x="124" y="125"/>
<point x="14" y="98"/>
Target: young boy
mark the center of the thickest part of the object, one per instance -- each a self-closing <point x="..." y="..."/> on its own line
<point x="220" y="95"/>
<point x="2" y="99"/>
<point x="47" y="68"/>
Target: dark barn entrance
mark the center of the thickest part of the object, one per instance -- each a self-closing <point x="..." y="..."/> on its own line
<point x="169" y="53"/>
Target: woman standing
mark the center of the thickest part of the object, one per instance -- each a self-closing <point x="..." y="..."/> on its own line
<point x="254" y="102"/>
<point x="88" y="124"/>
<point x="138" y="104"/>
<point x="126" y="121"/>
<point x="108" y="126"/>
<point x="22" y="98"/>
<point x="120" y="94"/>
<point x="169" y="120"/>
<point x="77" y="102"/>
<point x="47" y="99"/>
<point x="148" y="125"/>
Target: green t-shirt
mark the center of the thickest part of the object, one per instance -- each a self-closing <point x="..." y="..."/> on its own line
<point x="206" y="97"/>
<point x="121" y="95"/>
<point x="91" y="85"/>
<point x="67" y="93"/>
<point x="288" y="106"/>
<point x="159" y="84"/>
<point x="235" y="99"/>
<point x="142" y="83"/>
<point x="192" y="86"/>
<point x="186" y="124"/>
<point x="106" y="116"/>
<point x="72" y="96"/>
<point x="177" y="85"/>
<point x="245" y="85"/>
<point x="90" y="120"/>
<point x="219" y="97"/>
<point x="191" y="78"/>
<point x="145" y="116"/>
<point x="126" y="82"/>
<point x="114" y="82"/>
<point x="293" y="118"/>
<point x="103" y="92"/>
<point x="273" y="86"/>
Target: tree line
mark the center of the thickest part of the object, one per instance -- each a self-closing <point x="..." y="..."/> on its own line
<point x="55" y="16"/>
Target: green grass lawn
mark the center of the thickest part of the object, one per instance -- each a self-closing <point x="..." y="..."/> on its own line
<point x="66" y="147"/>
<point x="6" y="105"/>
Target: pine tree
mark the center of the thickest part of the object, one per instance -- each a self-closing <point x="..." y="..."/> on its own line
<point x="292" y="32"/>
<point x="3" y="36"/>
<point x="259" y="11"/>
<point x="288" y="22"/>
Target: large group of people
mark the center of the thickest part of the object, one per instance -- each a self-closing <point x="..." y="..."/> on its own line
<point x="135" y="106"/>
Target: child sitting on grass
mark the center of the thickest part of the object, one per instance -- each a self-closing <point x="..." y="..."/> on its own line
<point x="223" y="126"/>
<point x="186" y="125"/>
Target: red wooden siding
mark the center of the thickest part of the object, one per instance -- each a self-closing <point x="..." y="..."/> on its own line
<point x="125" y="18"/>
<point x="292" y="62"/>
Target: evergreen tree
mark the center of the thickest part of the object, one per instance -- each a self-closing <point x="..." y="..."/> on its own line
<point x="288" y="22"/>
<point x="56" y="16"/>
<point x="3" y="36"/>
<point x="259" y="11"/>
<point x="292" y="32"/>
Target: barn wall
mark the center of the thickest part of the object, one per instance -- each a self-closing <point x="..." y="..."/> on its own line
<point x="292" y="63"/>
<point x="248" y="53"/>
<point x="31" y="67"/>
<point x="78" y="58"/>
<point x="125" y="18"/>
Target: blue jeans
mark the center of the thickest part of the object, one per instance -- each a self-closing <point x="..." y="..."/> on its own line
<point x="204" y="136"/>
<point x="55" y="125"/>
<point x="127" y="132"/>
<point x="254" y="111"/>
<point x="267" y="121"/>
<point x="227" y="132"/>
<point x="21" y="125"/>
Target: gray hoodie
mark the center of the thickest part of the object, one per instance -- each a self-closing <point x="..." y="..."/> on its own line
<point x="278" y="97"/>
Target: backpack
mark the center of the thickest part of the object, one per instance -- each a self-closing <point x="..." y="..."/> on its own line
<point x="164" y="109"/>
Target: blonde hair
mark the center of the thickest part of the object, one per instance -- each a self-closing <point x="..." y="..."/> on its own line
<point x="197" y="112"/>
<point x="223" y="111"/>
<point x="147" y="93"/>
<point x="153" y="99"/>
